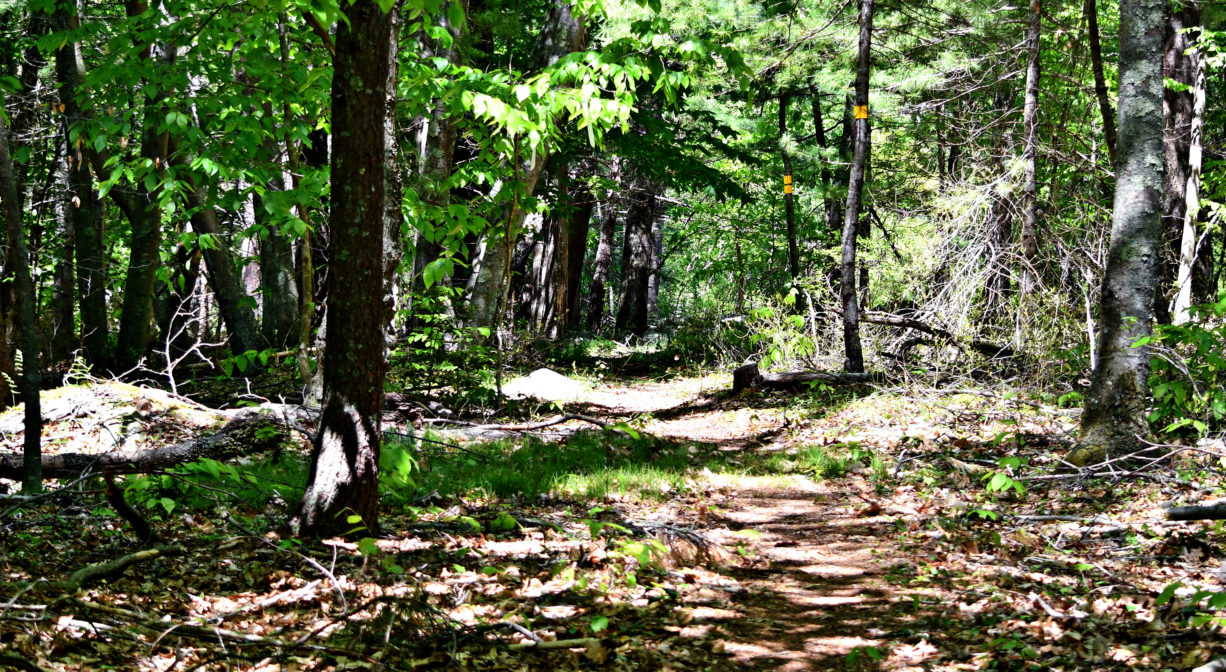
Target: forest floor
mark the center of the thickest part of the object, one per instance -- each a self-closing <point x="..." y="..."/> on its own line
<point x="831" y="529"/>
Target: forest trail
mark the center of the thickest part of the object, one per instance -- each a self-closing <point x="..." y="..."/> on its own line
<point x="811" y="590"/>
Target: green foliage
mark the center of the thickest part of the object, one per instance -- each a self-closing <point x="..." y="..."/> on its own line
<point x="1188" y="372"/>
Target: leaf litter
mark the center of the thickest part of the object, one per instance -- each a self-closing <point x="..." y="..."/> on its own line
<point x="847" y="529"/>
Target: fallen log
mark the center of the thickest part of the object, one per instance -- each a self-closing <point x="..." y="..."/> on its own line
<point x="245" y="435"/>
<point x="1213" y="511"/>
<point x="749" y="376"/>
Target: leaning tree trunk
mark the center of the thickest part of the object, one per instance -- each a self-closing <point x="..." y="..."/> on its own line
<point x="344" y="480"/>
<point x="27" y="329"/>
<point x="1100" y="80"/>
<point x="1030" y="157"/>
<point x="1115" y="408"/>
<point x="847" y="289"/>
<point x="819" y="132"/>
<point x="1179" y="109"/>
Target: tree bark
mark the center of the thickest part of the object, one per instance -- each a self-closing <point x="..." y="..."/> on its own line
<point x="27" y="330"/>
<point x="577" y="228"/>
<point x="344" y="479"/>
<point x="1181" y="135"/>
<point x="636" y="266"/>
<point x="789" y="207"/>
<point x="1100" y="80"/>
<point x="222" y="271"/>
<point x="565" y="32"/>
<point x="1115" y="408"/>
<point x="136" y="318"/>
<point x="83" y="205"/>
<point x="819" y="132"/>
<point x="604" y="253"/>
<point x="854" y="362"/>
<point x="63" y="302"/>
<point x="1030" y="122"/>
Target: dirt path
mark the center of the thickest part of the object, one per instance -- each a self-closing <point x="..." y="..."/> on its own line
<point x="812" y="589"/>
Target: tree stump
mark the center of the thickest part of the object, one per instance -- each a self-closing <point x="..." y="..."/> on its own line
<point x="744" y="377"/>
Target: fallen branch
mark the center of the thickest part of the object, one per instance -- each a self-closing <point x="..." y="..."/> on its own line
<point x="111" y="568"/>
<point x="985" y="348"/>
<point x="749" y="376"/>
<point x="245" y="435"/>
<point x="557" y="644"/>
<point x="1212" y="511"/>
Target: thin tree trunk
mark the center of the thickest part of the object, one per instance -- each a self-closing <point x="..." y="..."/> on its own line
<point x="19" y="271"/>
<point x="657" y="266"/>
<point x="1178" y="223"/>
<point x="789" y="208"/>
<point x="1188" y="253"/>
<point x="819" y="131"/>
<point x="1115" y="408"/>
<point x="1100" y="80"/>
<point x="1030" y="186"/>
<point x="222" y="271"/>
<point x="344" y="479"/>
<point x="604" y="253"/>
<point x="63" y="313"/>
<point x="854" y="362"/>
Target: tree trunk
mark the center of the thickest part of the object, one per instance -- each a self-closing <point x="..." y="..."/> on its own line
<point x="789" y="208"/>
<point x="847" y="289"/>
<point x="222" y="271"/>
<point x="604" y="253"/>
<point x="576" y="232"/>
<point x="819" y="131"/>
<point x="1100" y="80"/>
<point x="344" y="479"/>
<point x="564" y="32"/>
<point x="83" y="205"/>
<point x="1030" y="186"/>
<point x="136" y="318"/>
<point x="63" y="313"/>
<point x="636" y="264"/>
<point x="26" y="327"/>
<point x="1179" y="110"/>
<point x="1115" y="409"/>
<point x="657" y="266"/>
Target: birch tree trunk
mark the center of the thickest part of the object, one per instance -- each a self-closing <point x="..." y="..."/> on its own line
<point x="1030" y="122"/>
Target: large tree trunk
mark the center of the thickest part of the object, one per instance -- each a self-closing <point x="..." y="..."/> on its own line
<point x="636" y="264"/>
<point x="84" y="206"/>
<point x="136" y="318"/>
<point x="344" y="478"/>
<point x="1179" y="110"/>
<point x="847" y="289"/>
<point x="1100" y="80"/>
<point x="26" y="327"/>
<point x="1030" y="156"/>
<point x="1115" y="409"/>
<point x="565" y="32"/>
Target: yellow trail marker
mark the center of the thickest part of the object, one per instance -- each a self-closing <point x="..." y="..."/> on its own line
<point x="861" y="111"/>
<point x="787" y="188"/>
<point x="787" y="179"/>
<point x="787" y="184"/>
